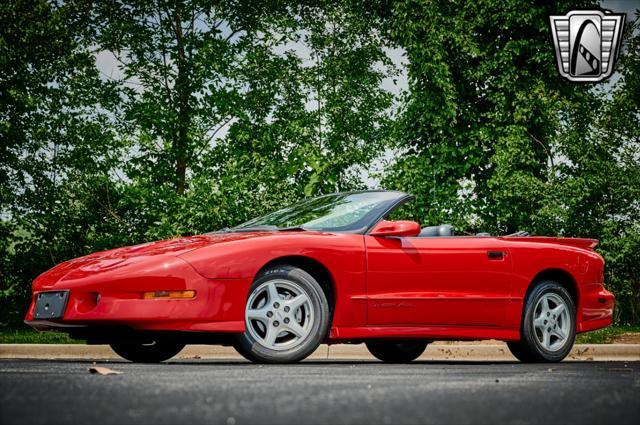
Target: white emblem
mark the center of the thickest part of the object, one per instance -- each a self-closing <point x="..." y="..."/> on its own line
<point x="587" y="43"/>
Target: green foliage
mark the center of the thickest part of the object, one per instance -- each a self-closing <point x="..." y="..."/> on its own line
<point x="57" y="143"/>
<point x="606" y="335"/>
<point x="221" y="110"/>
<point x="478" y="123"/>
<point x="218" y="111"/>
<point x="25" y="335"/>
<point x="494" y="140"/>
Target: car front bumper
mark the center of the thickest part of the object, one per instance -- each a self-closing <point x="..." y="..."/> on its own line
<point x="103" y="296"/>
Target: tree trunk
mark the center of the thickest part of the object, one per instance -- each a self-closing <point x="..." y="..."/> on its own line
<point x="182" y="87"/>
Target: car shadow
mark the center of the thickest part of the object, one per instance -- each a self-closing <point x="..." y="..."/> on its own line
<point x="305" y="363"/>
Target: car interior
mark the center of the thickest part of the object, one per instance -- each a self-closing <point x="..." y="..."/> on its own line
<point x="449" y="230"/>
<point x="442" y="230"/>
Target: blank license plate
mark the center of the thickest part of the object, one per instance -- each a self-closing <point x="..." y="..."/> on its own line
<point x="51" y="305"/>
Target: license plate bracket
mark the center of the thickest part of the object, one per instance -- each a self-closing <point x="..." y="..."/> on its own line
<point x="51" y="305"/>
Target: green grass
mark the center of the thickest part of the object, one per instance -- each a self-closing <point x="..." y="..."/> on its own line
<point x="604" y="336"/>
<point x="26" y="335"/>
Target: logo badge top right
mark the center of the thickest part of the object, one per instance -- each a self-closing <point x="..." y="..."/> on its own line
<point x="587" y="43"/>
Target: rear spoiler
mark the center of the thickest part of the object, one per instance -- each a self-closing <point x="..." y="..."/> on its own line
<point x="577" y="242"/>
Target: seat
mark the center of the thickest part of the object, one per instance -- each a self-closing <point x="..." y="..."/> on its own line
<point x="433" y="231"/>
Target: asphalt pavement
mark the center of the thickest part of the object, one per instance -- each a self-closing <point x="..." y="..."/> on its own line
<point x="336" y="392"/>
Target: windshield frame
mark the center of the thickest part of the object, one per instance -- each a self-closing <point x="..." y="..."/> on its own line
<point x="362" y="226"/>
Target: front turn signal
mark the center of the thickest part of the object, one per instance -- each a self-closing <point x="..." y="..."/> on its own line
<point x="168" y="295"/>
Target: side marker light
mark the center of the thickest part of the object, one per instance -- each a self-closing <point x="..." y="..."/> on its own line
<point x="168" y="295"/>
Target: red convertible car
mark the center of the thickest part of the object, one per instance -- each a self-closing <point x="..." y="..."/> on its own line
<point x="330" y="269"/>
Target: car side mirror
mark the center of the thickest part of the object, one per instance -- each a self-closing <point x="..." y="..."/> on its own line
<point x="396" y="228"/>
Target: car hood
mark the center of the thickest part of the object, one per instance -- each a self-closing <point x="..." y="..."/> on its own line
<point x="119" y="259"/>
<point x="176" y="246"/>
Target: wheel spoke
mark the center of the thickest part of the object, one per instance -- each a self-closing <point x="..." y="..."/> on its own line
<point x="558" y="310"/>
<point x="273" y="292"/>
<point x="296" y="329"/>
<point x="546" y="338"/>
<point x="296" y="302"/>
<point x="539" y="323"/>
<point x="545" y="305"/>
<point x="559" y="333"/>
<point x="258" y="314"/>
<point x="271" y="336"/>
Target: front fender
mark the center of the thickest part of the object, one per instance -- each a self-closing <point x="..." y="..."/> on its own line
<point x="342" y="254"/>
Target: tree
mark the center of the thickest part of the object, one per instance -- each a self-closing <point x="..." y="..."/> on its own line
<point x="349" y="116"/>
<point x="495" y="140"/>
<point x="55" y="140"/>
<point x="477" y="126"/>
<point x="181" y="61"/>
<point x="262" y="102"/>
<point x="594" y="190"/>
<point x="221" y="110"/>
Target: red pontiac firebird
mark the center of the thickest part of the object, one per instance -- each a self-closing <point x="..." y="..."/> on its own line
<point x="330" y="269"/>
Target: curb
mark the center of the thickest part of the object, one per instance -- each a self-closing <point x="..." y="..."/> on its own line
<point x="434" y="352"/>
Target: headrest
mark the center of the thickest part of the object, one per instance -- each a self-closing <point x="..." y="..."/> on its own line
<point x="442" y="230"/>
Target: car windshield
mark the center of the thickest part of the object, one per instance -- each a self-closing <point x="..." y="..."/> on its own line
<point x="337" y="212"/>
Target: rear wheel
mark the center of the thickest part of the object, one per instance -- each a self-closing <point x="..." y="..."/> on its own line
<point x="286" y="317"/>
<point x="548" y="325"/>
<point x="396" y="352"/>
<point x="155" y="352"/>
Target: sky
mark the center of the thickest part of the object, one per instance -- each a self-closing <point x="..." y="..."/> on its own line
<point x="619" y="6"/>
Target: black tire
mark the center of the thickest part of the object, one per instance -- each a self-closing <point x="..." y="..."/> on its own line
<point x="156" y="352"/>
<point x="530" y="349"/>
<point x="395" y="351"/>
<point x="251" y="349"/>
<point x="520" y="351"/>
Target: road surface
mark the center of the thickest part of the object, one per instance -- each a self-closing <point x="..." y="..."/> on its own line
<point x="230" y="393"/>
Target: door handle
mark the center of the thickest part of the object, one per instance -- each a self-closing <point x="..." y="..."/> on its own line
<point x="495" y="255"/>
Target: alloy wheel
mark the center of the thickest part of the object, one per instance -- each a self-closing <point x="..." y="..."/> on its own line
<point x="551" y="322"/>
<point x="279" y="314"/>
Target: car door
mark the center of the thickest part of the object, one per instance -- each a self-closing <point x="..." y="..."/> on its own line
<point x="437" y="280"/>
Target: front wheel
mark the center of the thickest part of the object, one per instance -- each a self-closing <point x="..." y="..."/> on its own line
<point x="155" y="352"/>
<point x="286" y="317"/>
<point x="396" y="352"/>
<point x="548" y="325"/>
